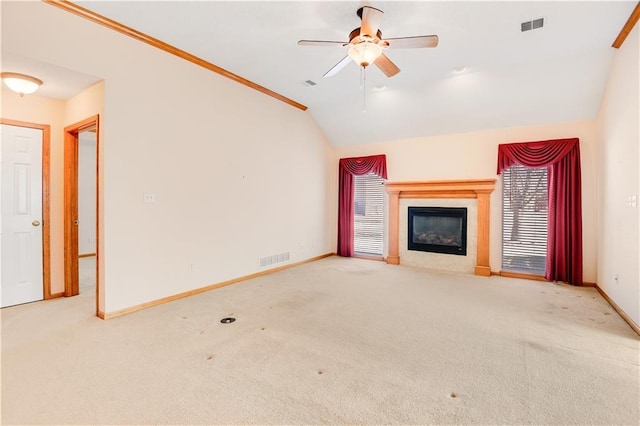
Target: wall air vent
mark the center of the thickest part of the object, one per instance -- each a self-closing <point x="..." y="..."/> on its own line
<point x="273" y="259"/>
<point x="532" y="25"/>
<point x="309" y="83"/>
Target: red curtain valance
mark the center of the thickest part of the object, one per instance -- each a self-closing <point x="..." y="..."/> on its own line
<point x="534" y="154"/>
<point x="363" y="165"/>
<point x="348" y="168"/>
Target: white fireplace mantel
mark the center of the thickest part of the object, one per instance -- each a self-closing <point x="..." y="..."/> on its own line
<point x="480" y="189"/>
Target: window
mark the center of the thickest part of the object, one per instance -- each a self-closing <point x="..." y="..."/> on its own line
<point x="524" y="219"/>
<point x="368" y="216"/>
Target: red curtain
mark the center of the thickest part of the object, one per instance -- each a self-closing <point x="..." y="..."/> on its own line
<point x="350" y="167"/>
<point x="564" y="240"/>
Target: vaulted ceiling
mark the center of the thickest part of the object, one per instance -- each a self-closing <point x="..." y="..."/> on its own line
<point x="553" y="74"/>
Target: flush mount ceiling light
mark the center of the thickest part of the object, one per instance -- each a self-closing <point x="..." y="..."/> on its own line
<point x="459" y="69"/>
<point x="20" y="83"/>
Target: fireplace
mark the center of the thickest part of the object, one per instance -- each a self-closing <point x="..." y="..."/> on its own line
<point x="438" y="230"/>
<point x="476" y="196"/>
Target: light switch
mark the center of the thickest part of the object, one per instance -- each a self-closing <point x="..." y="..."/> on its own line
<point x="149" y="197"/>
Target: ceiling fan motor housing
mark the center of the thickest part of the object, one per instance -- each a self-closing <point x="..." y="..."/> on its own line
<point x="355" y="37"/>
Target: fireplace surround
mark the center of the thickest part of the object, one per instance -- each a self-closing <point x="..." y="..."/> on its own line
<point x="479" y="189"/>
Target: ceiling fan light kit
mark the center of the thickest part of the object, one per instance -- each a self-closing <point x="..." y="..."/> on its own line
<point x="21" y="83"/>
<point x="365" y="53"/>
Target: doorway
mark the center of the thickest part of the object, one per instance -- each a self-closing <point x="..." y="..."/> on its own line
<point x="81" y="223"/>
<point x="24" y="213"/>
<point x="87" y="191"/>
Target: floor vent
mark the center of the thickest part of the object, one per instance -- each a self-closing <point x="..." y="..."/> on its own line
<point x="532" y="25"/>
<point x="273" y="259"/>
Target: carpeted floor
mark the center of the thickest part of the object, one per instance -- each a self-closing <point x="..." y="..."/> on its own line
<point x="340" y="341"/>
<point x="87" y="273"/>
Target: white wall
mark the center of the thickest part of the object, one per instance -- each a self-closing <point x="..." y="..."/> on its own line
<point x="87" y="157"/>
<point x="237" y="175"/>
<point x="618" y="163"/>
<point x="475" y="155"/>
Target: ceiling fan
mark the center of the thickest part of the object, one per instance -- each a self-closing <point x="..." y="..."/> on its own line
<point x="366" y="44"/>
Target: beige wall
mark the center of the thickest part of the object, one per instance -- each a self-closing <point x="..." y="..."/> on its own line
<point x="474" y="156"/>
<point x="35" y="109"/>
<point x="618" y="163"/>
<point x="237" y="175"/>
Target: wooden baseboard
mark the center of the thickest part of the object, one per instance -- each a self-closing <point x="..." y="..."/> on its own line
<point x="520" y="275"/>
<point x="55" y="295"/>
<point x="483" y="271"/>
<point x="368" y="257"/>
<point x="393" y="260"/>
<point x="87" y="255"/>
<point x="109" y="315"/>
<point x="619" y="310"/>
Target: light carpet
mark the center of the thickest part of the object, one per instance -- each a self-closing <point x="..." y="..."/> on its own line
<point x="339" y="341"/>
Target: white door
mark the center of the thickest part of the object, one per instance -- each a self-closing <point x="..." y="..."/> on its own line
<point x="20" y="215"/>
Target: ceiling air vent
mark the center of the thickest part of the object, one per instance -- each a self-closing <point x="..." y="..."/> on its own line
<point x="309" y="83"/>
<point x="532" y="25"/>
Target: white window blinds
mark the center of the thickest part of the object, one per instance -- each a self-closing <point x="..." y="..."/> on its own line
<point x="524" y="219"/>
<point x="368" y="214"/>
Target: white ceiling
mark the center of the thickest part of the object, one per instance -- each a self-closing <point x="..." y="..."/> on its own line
<point x="554" y="74"/>
<point x="58" y="82"/>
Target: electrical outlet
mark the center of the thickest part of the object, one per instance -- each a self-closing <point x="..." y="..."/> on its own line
<point x="149" y="197"/>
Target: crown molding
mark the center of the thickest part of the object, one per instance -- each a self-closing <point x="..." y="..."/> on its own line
<point x="140" y="36"/>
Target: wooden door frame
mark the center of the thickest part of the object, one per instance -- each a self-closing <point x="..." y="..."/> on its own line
<point x="71" y="280"/>
<point x="46" y="226"/>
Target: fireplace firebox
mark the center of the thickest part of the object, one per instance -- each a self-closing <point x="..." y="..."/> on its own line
<point x="438" y="230"/>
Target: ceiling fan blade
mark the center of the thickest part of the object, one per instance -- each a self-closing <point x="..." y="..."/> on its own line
<point x="338" y="67"/>
<point x="322" y="43"/>
<point x="371" y="18"/>
<point x="386" y="66"/>
<point x="412" y="42"/>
